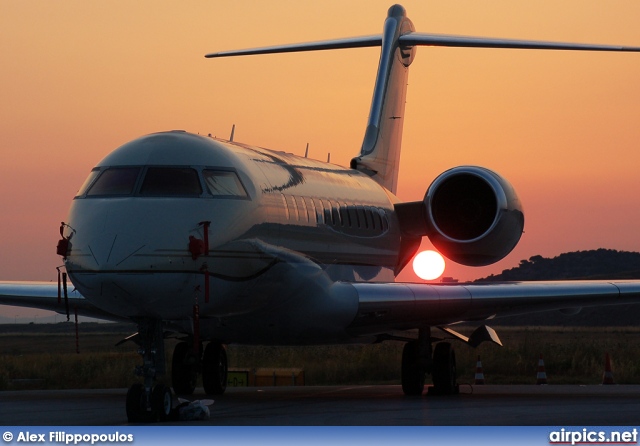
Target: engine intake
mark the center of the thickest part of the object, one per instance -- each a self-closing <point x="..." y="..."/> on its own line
<point x="474" y="216"/>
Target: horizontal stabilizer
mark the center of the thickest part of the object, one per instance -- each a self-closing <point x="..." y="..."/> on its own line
<point x="334" y="44"/>
<point x="422" y="39"/>
<point x="412" y="39"/>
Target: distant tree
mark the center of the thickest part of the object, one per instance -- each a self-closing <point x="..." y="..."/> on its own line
<point x="594" y="264"/>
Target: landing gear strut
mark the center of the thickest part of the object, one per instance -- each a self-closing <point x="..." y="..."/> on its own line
<point x="148" y="401"/>
<point x="418" y="359"/>
<point x="145" y="401"/>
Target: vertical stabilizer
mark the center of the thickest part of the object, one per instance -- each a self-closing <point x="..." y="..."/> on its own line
<point x="380" y="153"/>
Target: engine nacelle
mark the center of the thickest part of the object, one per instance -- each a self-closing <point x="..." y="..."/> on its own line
<point x="473" y="215"/>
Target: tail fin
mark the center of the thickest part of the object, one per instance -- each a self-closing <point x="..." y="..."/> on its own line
<point x="380" y="153"/>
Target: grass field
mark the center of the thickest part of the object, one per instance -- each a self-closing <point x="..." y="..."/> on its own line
<point x="572" y="356"/>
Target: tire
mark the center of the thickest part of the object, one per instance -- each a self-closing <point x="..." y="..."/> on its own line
<point x="161" y="402"/>
<point x="412" y="373"/>
<point x="214" y="369"/>
<point x="445" y="379"/>
<point x="184" y="369"/>
<point x="136" y="404"/>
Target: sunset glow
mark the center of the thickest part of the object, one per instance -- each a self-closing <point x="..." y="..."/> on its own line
<point x="81" y="78"/>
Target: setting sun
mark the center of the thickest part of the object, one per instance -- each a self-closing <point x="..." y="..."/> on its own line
<point x="428" y="265"/>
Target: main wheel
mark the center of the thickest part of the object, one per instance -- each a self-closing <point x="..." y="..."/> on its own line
<point x="136" y="405"/>
<point x="184" y="369"/>
<point x="161" y="402"/>
<point x="445" y="379"/>
<point x="214" y="369"/>
<point x="412" y="372"/>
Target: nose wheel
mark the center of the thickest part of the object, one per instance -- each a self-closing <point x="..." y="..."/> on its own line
<point x="148" y="407"/>
<point x="149" y="401"/>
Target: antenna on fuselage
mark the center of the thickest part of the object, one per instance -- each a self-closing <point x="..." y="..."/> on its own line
<point x="329" y="157"/>
<point x="306" y="151"/>
<point x="233" y="130"/>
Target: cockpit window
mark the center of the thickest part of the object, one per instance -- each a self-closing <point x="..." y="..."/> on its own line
<point x="222" y="183"/>
<point x="162" y="181"/>
<point x="92" y="176"/>
<point x="115" y="181"/>
<point x="171" y="181"/>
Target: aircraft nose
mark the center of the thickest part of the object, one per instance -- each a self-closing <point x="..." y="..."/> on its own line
<point x="111" y="251"/>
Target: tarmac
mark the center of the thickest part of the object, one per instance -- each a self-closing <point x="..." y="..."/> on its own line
<point x="478" y="405"/>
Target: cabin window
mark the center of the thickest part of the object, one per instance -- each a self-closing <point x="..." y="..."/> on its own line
<point x="304" y="211"/>
<point x="171" y="181"/>
<point x="385" y="221"/>
<point x="345" y="218"/>
<point x="286" y="207"/>
<point x="377" y="220"/>
<point x="292" y="207"/>
<point x="353" y="217"/>
<point x="222" y="183"/>
<point x="368" y="218"/>
<point x="320" y="217"/>
<point x="335" y="215"/>
<point x="114" y="181"/>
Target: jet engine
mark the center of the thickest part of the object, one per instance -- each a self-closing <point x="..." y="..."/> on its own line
<point x="474" y="216"/>
<point x="471" y="215"/>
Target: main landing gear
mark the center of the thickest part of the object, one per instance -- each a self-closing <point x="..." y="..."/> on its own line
<point x="419" y="358"/>
<point x="186" y="364"/>
<point x="150" y="401"/>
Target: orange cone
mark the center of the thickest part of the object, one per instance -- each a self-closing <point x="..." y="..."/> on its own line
<point x="541" y="377"/>
<point x="607" y="376"/>
<point x="479" y="374"/>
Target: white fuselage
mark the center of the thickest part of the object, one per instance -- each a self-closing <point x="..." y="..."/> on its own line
<point x="276" y="222"/>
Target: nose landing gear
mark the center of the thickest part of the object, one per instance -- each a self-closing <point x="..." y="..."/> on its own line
<point x="147" y="402"/>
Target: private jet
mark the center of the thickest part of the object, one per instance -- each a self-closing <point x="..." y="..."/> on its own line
<point x="216" y="242"/>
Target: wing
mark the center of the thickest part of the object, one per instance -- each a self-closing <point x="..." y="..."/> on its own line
<point x="399" y="306"/>
<point x="44" y="296"/>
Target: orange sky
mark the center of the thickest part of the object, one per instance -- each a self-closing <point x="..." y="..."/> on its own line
<point x="81" y="78"/>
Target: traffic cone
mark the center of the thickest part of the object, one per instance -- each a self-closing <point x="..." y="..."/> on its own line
<point x="479" y="374"/>
<point x="607" y="376"/>
<point x="541" y="377"/>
